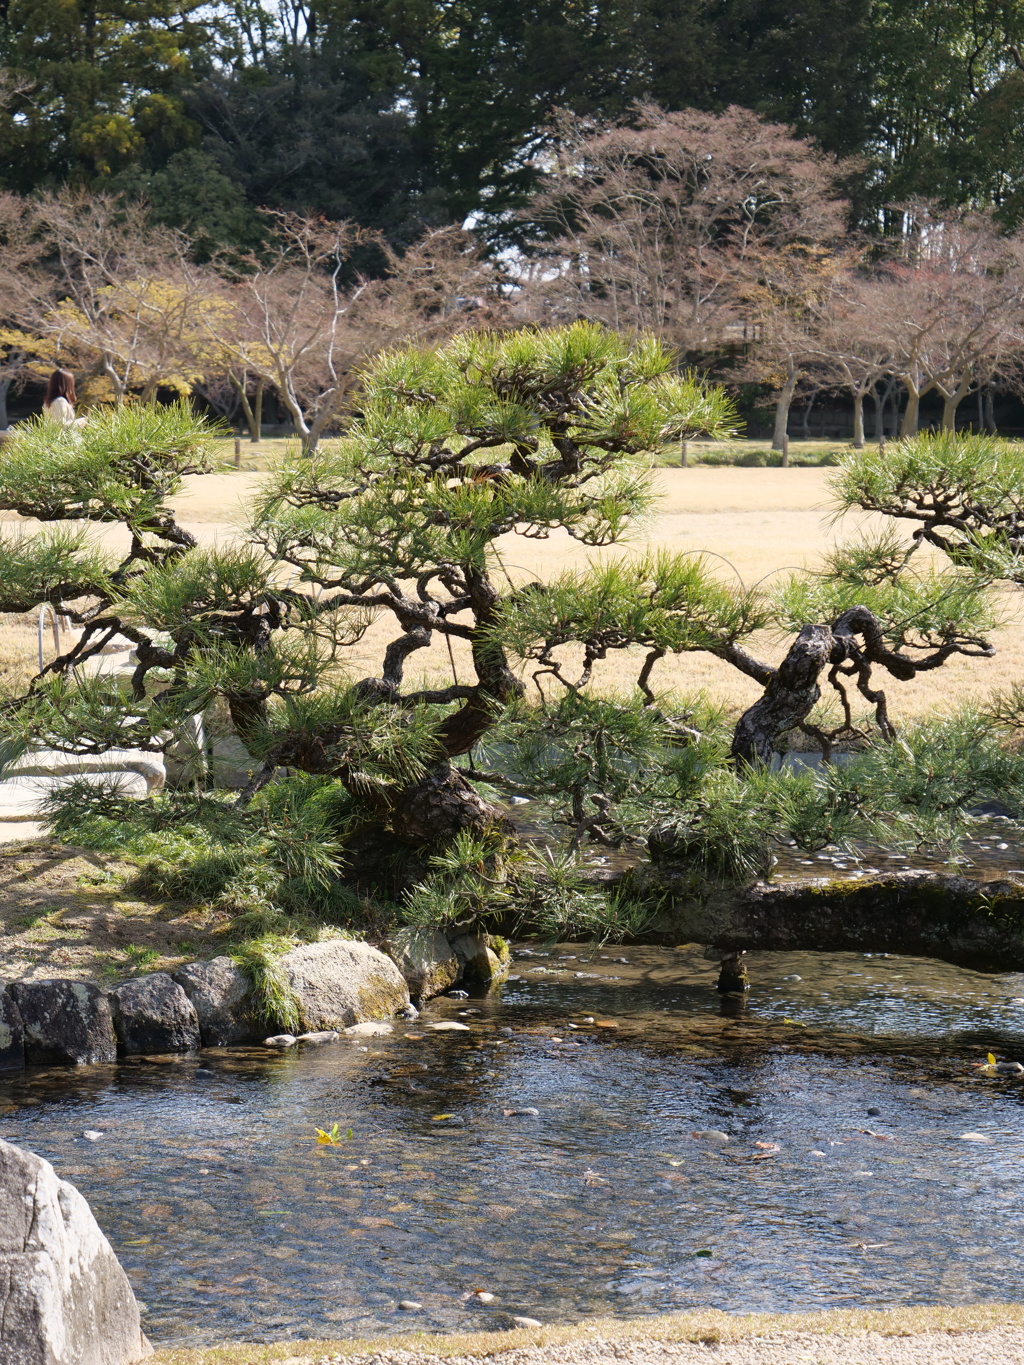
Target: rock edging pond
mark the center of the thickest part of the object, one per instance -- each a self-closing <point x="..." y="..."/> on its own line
<point x="336" y="984"/>
<point x="978" y="924"/>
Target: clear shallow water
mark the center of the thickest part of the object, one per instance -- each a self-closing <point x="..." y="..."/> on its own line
<point x="232" y="1222"/>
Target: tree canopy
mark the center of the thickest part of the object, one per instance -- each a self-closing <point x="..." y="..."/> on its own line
<point x="412" y="116"/>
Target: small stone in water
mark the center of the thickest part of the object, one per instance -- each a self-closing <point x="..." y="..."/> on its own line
<point x="506" y="1033"/>
<point x="458" y="995"/>
<point x="410" y="1012"/>
<point x="624" y="960"/>
<point x="974" y="1137"/>
<point x="323" y="1036"/>
<point x="528" y="1112"/>
<point x="711" y="1135"/>
<point x="815" y="1152"/>
<point x="526" y="1322"/>
<point x="367" y="1030"/>
<point x="1008" y="1068"/>
<point x="410" y="1305"/>
<point x="873" y="1113"/>
<point x="280" y="1040"/>
<point x="482" y="1296"/>
<point x="92" y="1135"/>
<point x="449" y="1026"/>
<point x="590" y="1018"/>
<point x="792" y="978"/>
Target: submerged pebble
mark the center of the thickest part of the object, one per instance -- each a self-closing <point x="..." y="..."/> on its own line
<point x="367" y="1030"/>
<point x="328" y="1035"/>
<point x="711" y="1135"/>
<point x="449" y="1026"/>
<point x="92" y="1135"/>
<point x="281" y="1040"/>
<point x="410" y="1305"/>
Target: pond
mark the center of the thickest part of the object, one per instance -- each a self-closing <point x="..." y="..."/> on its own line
<point x="869" y="1162"/>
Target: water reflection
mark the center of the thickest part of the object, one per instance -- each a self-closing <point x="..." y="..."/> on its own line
<point x="844" y="1091"/>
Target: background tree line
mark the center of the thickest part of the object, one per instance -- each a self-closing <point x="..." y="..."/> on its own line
<point x="410" y="116"/>
<point x="724" y="235"/>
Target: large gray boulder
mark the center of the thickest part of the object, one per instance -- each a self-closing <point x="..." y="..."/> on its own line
<point x="153" y="1014"/>
<point x="342" y="982"/>
<point x="67" y="1023"/>
<point x="64" y="1299"/>
<point x="12" y="1034"/>
<point x="219" y="993"/>
<point x="425" y="959"/>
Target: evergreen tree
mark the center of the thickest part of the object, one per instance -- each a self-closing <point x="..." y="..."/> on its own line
<point x="99" y="87"/>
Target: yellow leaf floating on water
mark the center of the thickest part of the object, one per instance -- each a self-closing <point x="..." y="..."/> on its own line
<point x="991" y="1059"/>
<point x="438" y="1117"/>
<point x="333" y="1136"/>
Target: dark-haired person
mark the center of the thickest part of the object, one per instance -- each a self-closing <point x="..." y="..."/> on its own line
<point x="59" y="403"/>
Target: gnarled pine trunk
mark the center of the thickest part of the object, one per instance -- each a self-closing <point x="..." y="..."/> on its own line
<point x="440" y="807"/>
<point x="790" y="695"/>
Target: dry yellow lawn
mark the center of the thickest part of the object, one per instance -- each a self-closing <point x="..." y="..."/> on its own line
<point x="758" y="522"/>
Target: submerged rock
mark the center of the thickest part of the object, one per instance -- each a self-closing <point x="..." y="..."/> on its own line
<point x="67" y="1023"/>
<point x="328" y="1035"/>
<point x="449" y="1026"/>
<point x="219" y="992"/>
<point x="153" y="1014"/>
<point x="341" y="982"/>
<point x="425" y="959"/>
<point x="64" y="1299"/>
<point x="281" y="1040"/>
<point x="368" y="1030"/>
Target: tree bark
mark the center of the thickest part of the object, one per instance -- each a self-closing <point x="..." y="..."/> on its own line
<point x="442" y="806"/>
<point x="790" y="695"/>
<point x="858" y="421"/>
<point x="5" y="385"/>
<point x="782" y="405"/>
<point x="950" y="403"/>
<point x="908" y="427"/>
<point x="990" y="412"/>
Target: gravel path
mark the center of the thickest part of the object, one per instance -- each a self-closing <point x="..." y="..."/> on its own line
<point x="998" y="1346"/>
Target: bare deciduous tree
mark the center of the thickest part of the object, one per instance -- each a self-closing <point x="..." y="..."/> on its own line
<point x="659" y="224"/>
<point x="304" y="323"/>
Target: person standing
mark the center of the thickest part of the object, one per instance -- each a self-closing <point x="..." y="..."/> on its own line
<point x="59" y="403"/>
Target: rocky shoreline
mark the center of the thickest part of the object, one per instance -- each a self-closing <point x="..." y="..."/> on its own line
<point x="334" y="985"/>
